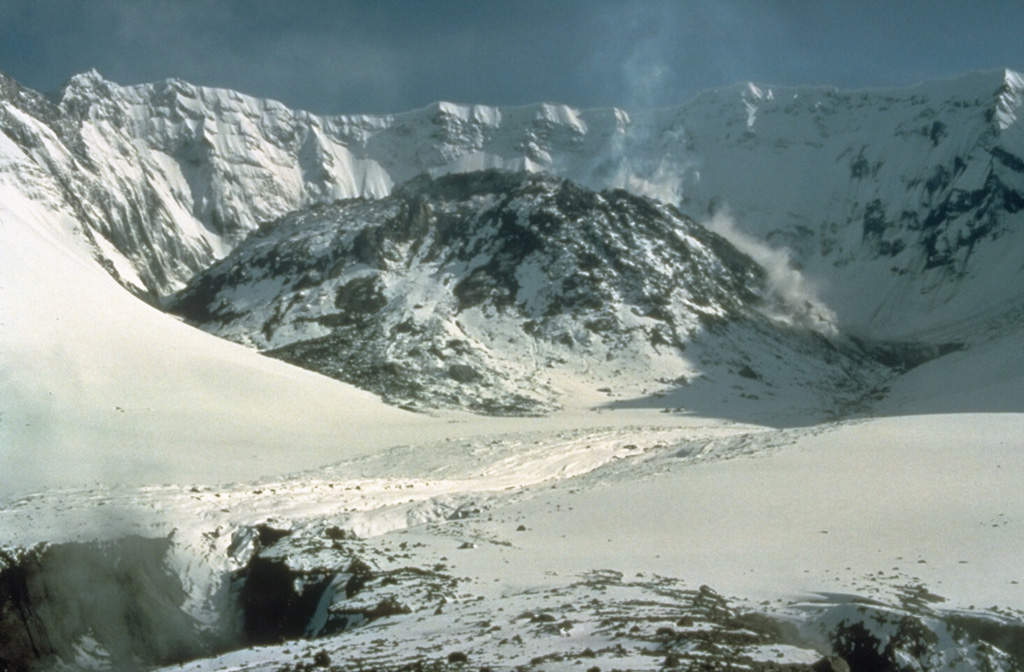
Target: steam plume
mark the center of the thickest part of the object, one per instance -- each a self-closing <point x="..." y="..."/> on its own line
<point x="792" y="299"/>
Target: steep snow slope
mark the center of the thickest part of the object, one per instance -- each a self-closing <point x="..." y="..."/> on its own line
<point x="98" y="386"/>
<point x="493" y="291"/>
<point x="110" y="192"/>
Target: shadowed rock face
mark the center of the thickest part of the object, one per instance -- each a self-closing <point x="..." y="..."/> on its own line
<point x="115" y="603"/>
<point x="273" y="609"/>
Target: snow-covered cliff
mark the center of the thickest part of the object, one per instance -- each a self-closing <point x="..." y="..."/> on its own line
<point x="901" y="206"/>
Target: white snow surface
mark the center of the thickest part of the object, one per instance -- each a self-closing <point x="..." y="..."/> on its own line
<point x="870" y="508"/>
<point x="99" y="387"/>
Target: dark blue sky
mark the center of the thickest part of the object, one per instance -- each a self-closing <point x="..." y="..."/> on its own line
<point x="392" y="55"/>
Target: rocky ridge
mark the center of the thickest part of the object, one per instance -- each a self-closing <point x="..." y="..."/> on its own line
<point x="484" y="290"/>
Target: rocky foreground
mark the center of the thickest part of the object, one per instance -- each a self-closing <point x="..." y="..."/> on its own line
<point x="492" y="562"/>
